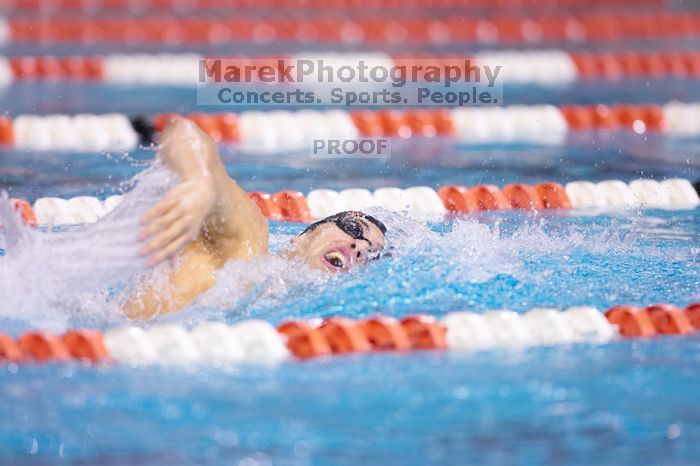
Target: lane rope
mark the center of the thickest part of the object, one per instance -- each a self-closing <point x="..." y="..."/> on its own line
<point x="488" y="29"/>
<point x="421" y="203"/>
<point x="542" y="67"/>
<point x="258" y="342"/>
<point x="295" y="130"/>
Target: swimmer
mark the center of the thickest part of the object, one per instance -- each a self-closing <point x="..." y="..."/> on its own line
<point x="207" y="219"/>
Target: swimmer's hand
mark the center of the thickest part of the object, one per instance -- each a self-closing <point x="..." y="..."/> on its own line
<point x="206" y="206"/>
<point x="176" y="220"/>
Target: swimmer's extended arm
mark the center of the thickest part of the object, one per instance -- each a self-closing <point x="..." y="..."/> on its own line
<point x="206" y="202"/>
<point x="206" y="219"/>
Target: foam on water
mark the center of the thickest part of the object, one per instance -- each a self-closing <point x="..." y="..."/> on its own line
<point x="58" y="279"/>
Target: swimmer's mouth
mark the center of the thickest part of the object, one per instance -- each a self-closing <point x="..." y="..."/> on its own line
<point x="336" y="260"/>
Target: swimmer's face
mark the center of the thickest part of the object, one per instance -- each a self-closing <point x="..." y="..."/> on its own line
<point x="339" y="242"/>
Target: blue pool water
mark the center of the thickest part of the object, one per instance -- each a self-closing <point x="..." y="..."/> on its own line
<point x="617" y="403"/>
<point x="626" y="402"/>
<point x="580" y="404"/>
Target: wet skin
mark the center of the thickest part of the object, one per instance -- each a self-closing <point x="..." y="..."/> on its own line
<point x="207" y="219"/>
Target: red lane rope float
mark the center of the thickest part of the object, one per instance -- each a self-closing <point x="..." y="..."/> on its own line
<point x="650" y="116"/>
<point x="664" y="319"/>
<point x="420" y="124"/>
<point x="489" y="197"/>
<point x="578" y="117"/>
<point x="457" y="199"/>
<point x="86" y="344"/>
<point x="601" y="117"/>
<point x="344" y="336"/>
<point x="395" y="123"/>
<point x="7" y="134"/>
<point x="292" y="206"/>
<point x="553" y="196"/>
<point x="42" y="347"/>
<point x="693" y="314"/>
<point x="228" y="126"/>
<point x="159" y="121"/>
<point x="283" y="206"/>
<point x="87" y="68"/>
<point x="385" y="333"/>
<point x="596" y="117"/>
<point x="303" y="340"/>
<point x="632" y="64"/>
<point x="264" y="202"/>
<point x="522" y="196"/>
<point x="367" y="123"/>
<point x="221" y="127"/>
<point x="632" y="321"/>
<point x="515" y="28"/>
<point x="668" y="319"/>
<point x="424" y="332"/>
<point x="9" y="350"/>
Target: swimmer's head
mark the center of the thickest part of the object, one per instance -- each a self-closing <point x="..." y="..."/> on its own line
<point x="340" y="241"/>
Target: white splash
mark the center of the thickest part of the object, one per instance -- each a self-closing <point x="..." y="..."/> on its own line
<point x="46" y="277"/>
